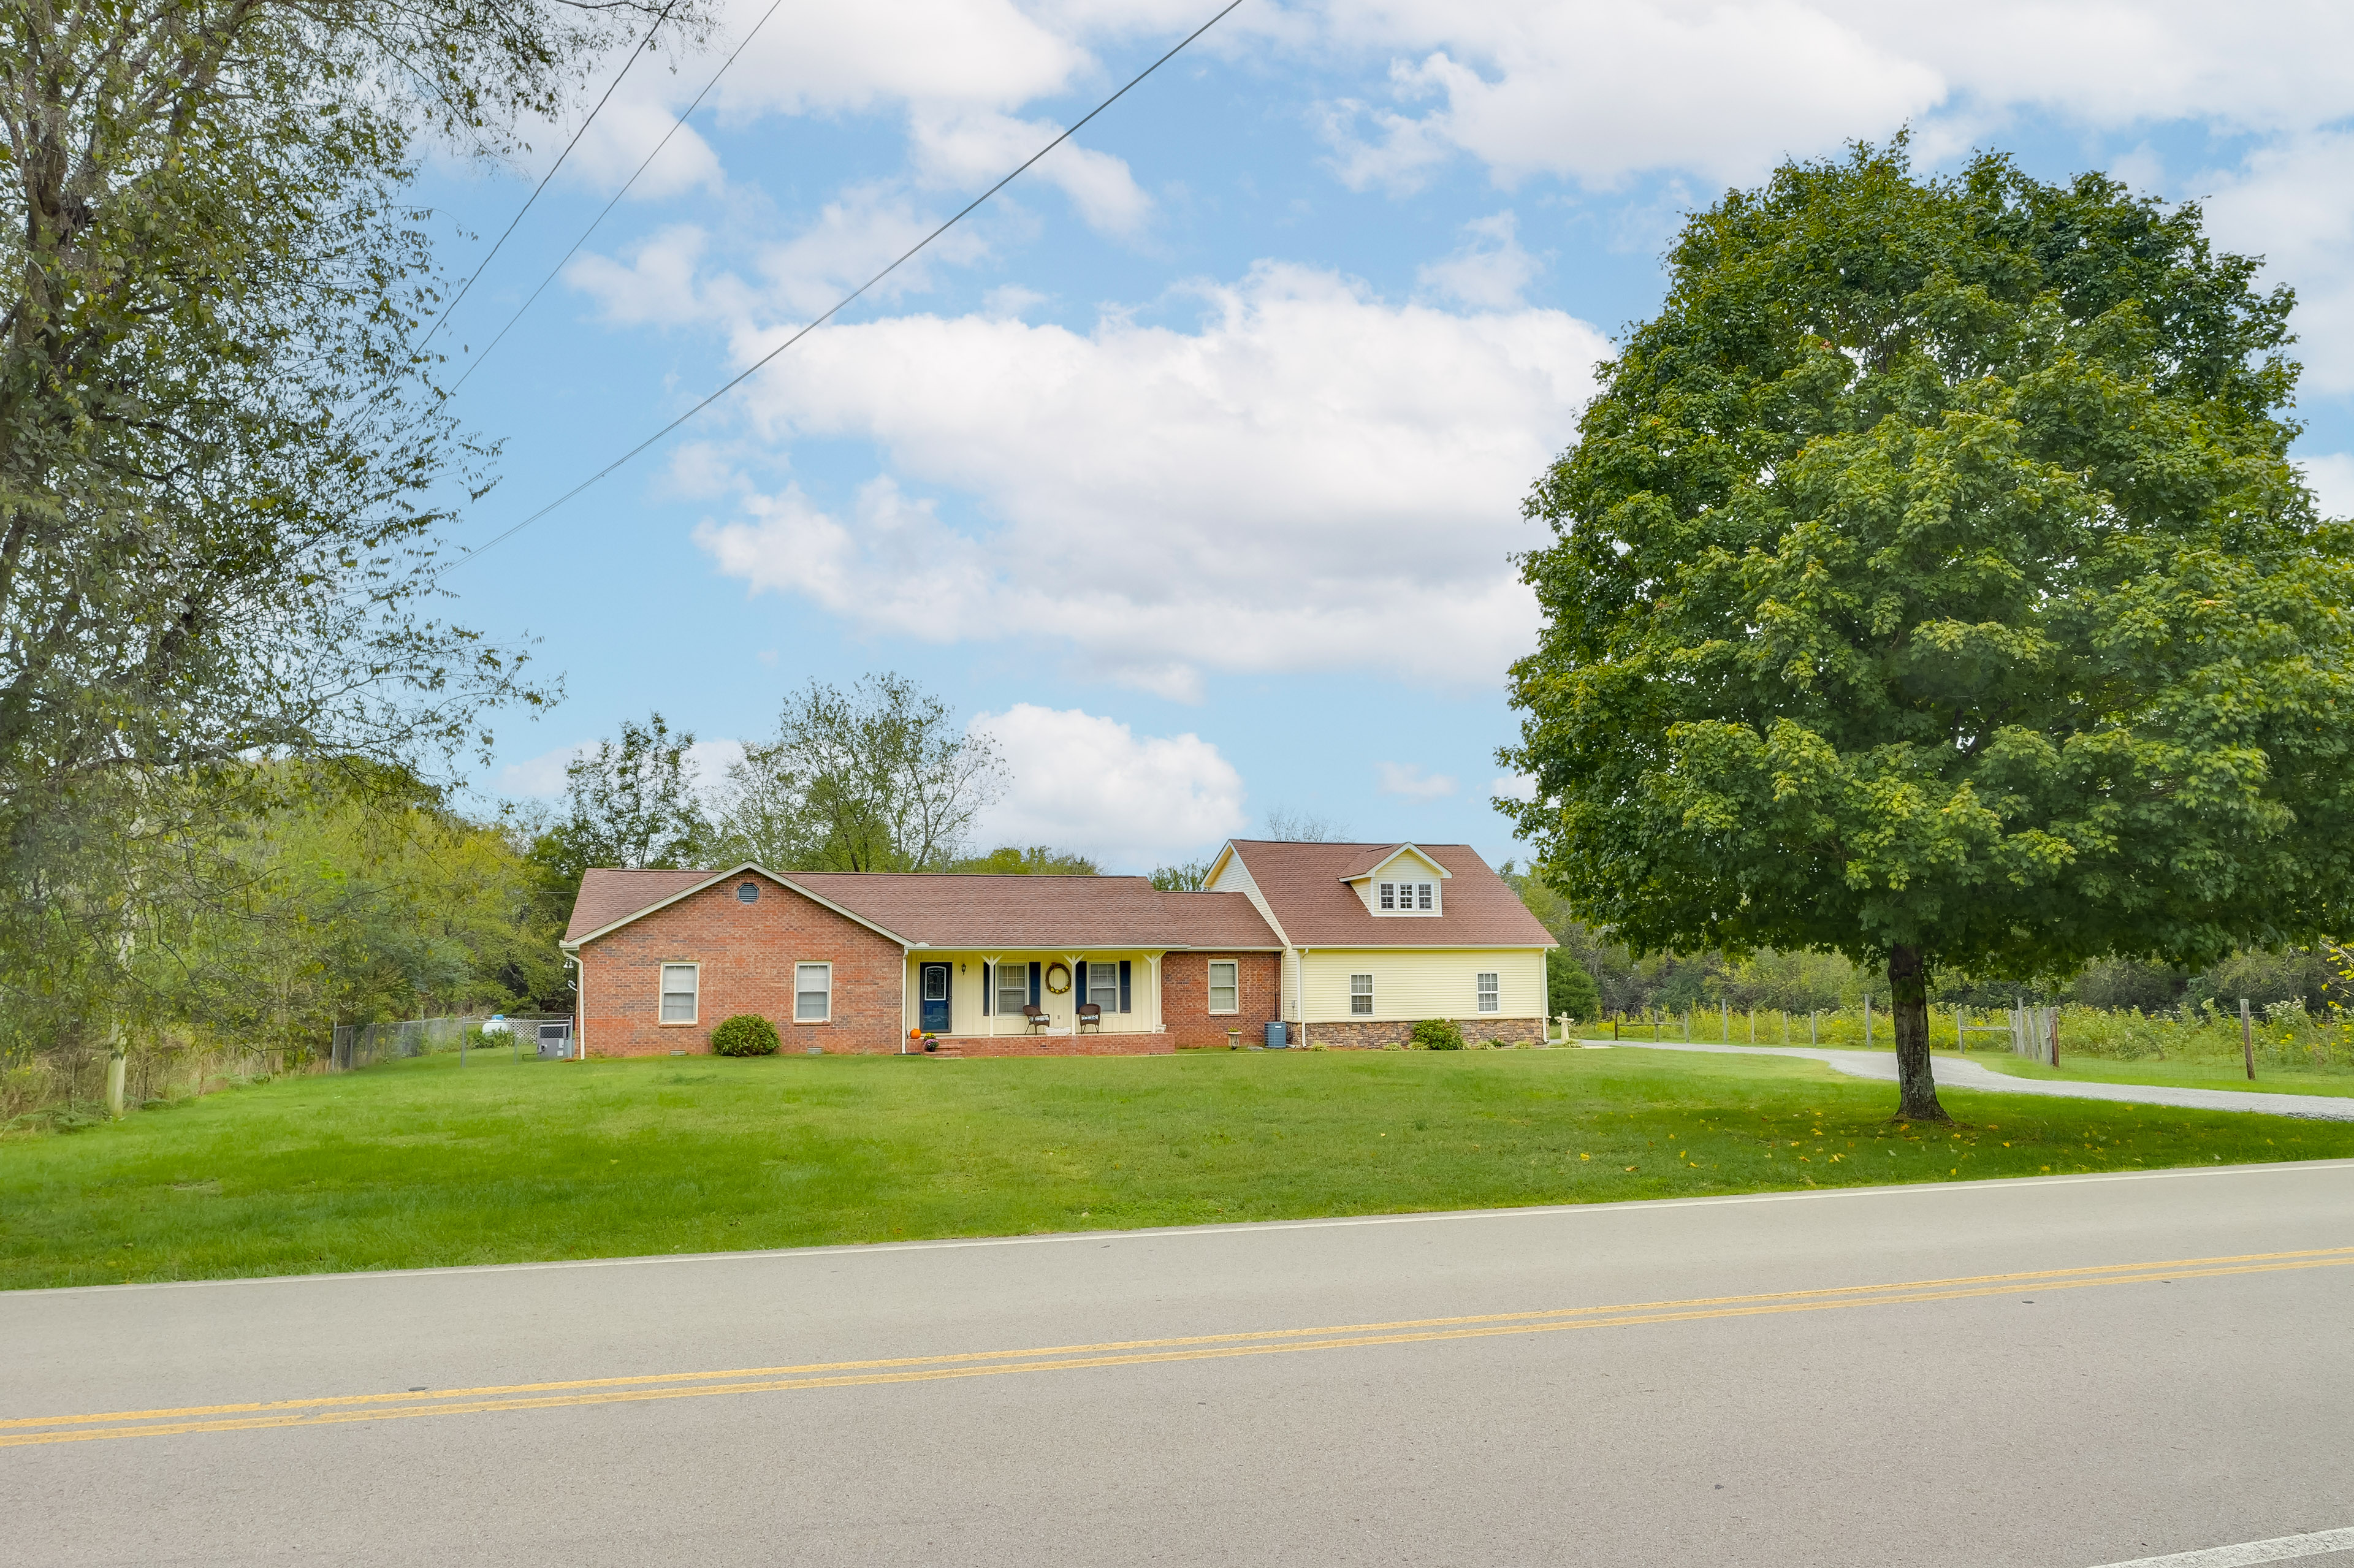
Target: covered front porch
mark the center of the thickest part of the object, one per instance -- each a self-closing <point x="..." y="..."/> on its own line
<point x="1014" y="995"/>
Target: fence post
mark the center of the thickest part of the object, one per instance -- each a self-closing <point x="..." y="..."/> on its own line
<point x="2247" y="1040"/>
<point x="1867" y="1021"/>
<point x="1810" y="1028"/>
<point x="1727" y="1029"/>
<point x="2055" y="1038"/>
<point x="1753" y="1027"/>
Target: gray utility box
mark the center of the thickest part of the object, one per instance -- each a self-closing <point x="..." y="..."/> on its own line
<point x="554" y="1042"/>
<point x="1278" y="1037"/>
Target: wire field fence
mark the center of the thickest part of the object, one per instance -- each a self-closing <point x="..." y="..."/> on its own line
<point x="357" y="1045"/>
<point x="2285" y="1035"/>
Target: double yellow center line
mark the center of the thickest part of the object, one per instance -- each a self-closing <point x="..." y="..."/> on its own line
<point x="337" y="1409"/>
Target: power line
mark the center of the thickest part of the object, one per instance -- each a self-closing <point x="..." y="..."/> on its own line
<point x="757" y="364"/>
<point x="682" y="118"/>
<point x="617" y="78"/>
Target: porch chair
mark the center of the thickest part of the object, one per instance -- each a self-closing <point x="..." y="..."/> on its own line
<point x="1091" y="1016"/>
<point x="1037" y="1015"/>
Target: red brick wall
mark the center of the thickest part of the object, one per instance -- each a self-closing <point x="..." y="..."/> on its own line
<point x="747" y="952"/>
<point x="1185" y="998"/>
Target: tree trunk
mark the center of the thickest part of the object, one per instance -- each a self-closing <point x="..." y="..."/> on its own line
<point x="1916" y="1089"/>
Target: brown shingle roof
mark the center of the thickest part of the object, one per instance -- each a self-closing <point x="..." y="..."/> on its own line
<point x="1302" y="883"/>
<point x="607" y="895"/>
<point x="946" y="910"/>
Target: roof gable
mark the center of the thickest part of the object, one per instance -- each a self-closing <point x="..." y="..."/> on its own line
<point x="1309" y="889"/>
<point x="1386" y="861"/>
<point x="611" y="898"/>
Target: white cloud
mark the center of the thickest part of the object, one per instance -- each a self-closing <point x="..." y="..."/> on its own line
<point x="2294" y="204"/>
<point x="628" y="128"/>
<point x="853" y="237"/>
<point x="707" y="761"/>
<point x="1513" y="787"/>
<point x="1488" y="271"/>
<point x="657" y="286"/>
<point x="540" y="777"/>
<point x="1595" y="90"/>
<point x="974" y="149"/>
<point x="2331" y="477"/>
<point x="831" y="59"/>
<point x="1408" y="780"/>
<point x="1314" y="479"/>
<point x="1083" y="783"/>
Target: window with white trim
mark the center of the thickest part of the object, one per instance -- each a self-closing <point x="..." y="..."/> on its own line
<point x="812" y="993"/>
<point x="1012" y="987"/>
<point x="1405" y="898"/>
<point x="1360" y="994"/>
<point x="1103" y="985"/>
<point x="681" y="984"/>
<point x="1489" y="999"/>
<point x="1225" y="985"/>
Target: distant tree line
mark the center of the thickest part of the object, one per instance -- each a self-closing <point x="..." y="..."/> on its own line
<point x="1621" y="982"/>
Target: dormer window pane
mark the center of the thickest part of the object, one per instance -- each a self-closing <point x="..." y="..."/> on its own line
<point x="1422" y="896"/>
<point x="1389" y="895"/>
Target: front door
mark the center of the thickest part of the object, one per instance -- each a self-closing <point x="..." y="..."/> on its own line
<point x="935" y="999"/>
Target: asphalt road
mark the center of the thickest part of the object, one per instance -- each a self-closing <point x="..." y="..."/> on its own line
<point x="2059" y="1373"/>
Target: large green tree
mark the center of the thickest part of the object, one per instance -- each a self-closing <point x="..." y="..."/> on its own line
<point x="224" y="464"/>
<point x="1931" y="584"/>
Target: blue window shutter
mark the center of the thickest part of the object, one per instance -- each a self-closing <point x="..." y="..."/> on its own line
<point x="1123" y="985"/>
<point x="988" y="985"/>
<point x="1034" y="971"/>
<point x="1078" y="982"/>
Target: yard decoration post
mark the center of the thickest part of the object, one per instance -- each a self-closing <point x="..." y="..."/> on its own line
<point x="1930" y="583"/>
<point x="2247" y="1040"/>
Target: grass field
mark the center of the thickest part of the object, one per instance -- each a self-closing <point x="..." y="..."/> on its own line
<point x="421" y="1163"/>
<point x="2196" y="1074"/>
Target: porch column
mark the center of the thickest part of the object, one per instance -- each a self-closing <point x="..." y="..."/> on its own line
<point x="989" y="990"/>
<point x="1153" y="961"/>
<point x="1078" y="989"/>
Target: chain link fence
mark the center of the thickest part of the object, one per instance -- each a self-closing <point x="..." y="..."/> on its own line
<point x="360" y="1045"/>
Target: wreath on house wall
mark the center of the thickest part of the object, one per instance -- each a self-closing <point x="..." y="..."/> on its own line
<point x="1057" y="987"/>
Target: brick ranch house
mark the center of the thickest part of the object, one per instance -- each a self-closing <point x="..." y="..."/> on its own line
<point x="1347" y="944"/>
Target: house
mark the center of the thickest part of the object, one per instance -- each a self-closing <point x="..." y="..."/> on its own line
<point x="1348" y="944"/>
<point x="1376" y="936"/>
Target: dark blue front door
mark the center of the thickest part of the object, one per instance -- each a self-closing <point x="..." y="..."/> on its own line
<point x="935" y="999"/>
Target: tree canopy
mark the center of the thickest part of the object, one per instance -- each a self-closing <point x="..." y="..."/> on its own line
<point x="1931" y="584"/>
<point x="879" y="777"/>
<point x="224" y="464"/>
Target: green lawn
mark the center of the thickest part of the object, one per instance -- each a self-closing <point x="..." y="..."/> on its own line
<point x="421" y="1163"/>
<point x="2192" y="1074"/>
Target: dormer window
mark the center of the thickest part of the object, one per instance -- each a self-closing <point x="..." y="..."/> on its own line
<point x="1405" y="898"/>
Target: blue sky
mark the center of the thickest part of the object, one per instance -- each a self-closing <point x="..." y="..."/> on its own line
<point x="1191" y="465"/>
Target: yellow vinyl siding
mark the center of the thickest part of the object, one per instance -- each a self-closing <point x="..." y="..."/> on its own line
<point x="965" y="1016"/>
<point x="1415" y="984"/>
